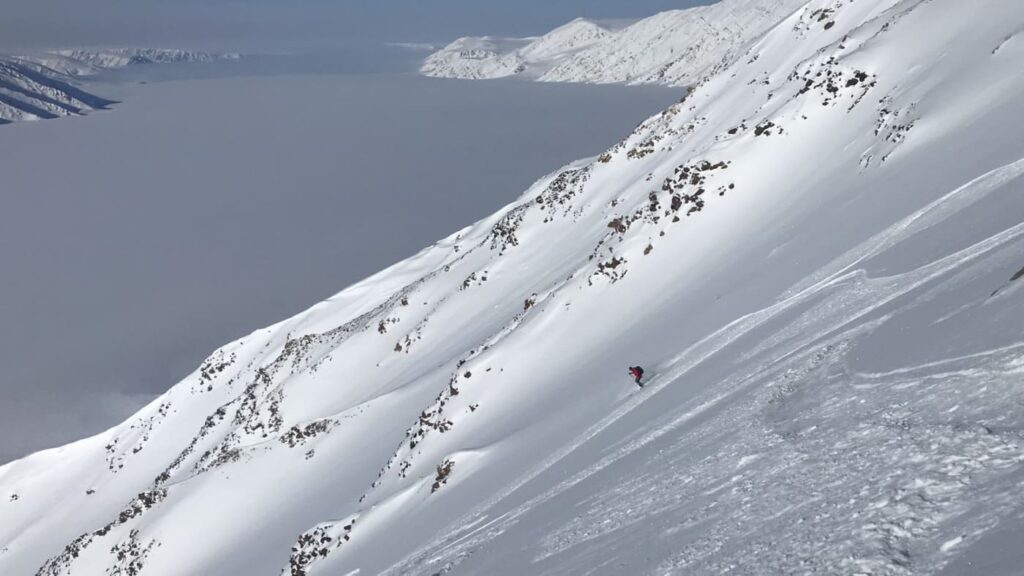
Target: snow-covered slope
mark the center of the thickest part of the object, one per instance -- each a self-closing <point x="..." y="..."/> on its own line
<point x="40" y="85"/>
<point x="818" y="258"/>
<point x="674" y="48"/>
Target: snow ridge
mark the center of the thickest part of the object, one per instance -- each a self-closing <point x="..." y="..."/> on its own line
<point x="816" y="255"/>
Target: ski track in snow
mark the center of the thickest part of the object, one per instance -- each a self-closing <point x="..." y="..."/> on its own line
<point x="938" y="211"/>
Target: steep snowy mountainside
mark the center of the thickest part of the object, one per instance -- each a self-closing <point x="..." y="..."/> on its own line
<point x="40" y="85"/>
<point x="817" y="256"/>
<point x="674" y="48"/>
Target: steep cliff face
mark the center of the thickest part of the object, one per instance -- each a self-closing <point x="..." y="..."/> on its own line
<point x="815" y="255"/>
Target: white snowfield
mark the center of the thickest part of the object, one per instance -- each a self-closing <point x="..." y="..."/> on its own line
<point x="41" y="86"/>
<point x="675" y="48"/>
<point x="817" y="257"/>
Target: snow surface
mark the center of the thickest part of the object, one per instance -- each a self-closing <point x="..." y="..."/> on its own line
<point x="675" y="48"/>
<point x="817" y="257"/>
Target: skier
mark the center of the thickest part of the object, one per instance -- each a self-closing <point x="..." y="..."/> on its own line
<point x="637" y="373"/>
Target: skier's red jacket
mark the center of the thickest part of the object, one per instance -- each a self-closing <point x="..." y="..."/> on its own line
<point x="636" y="371"/>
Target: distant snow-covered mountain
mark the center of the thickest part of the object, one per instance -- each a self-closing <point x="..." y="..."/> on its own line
<point x="673" y="48"/>
<point x="79" y="61"/>
<point x="489" y="57"/>
<point x="32" y="91"/>
<point x="476" y="59"/>
<point x="817" y="256"/>
<point x="40" y="86"/>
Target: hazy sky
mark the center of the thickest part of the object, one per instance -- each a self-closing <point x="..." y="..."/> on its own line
<point x="44" y="23"/>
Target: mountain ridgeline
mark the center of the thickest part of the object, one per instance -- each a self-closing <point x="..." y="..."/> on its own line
<point x="815" y="256"/>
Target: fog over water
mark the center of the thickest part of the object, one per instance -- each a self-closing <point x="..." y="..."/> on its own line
<point x="135" y="241"/>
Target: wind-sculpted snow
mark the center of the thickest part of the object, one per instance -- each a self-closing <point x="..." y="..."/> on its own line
<point x="675" y="48"/>
<point x="816" y="256"/>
